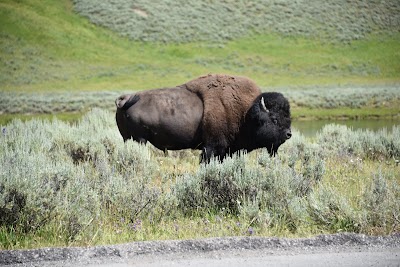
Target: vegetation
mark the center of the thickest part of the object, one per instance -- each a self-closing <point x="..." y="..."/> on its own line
<point x="79" y="184"/>
<point x="216" y="21"/>
<point x="63" y="184"/>
<point x="307" y="103"/>
<point x="46" y="46"/>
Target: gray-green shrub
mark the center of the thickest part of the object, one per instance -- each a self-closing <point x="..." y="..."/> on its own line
<point x="342" y="96"/>
<point x="77" y="175"/>
<point x="341" y="140"/>
<point x="190" y="21"/>
<point x="71" y="173"/>
<point x="273" y="188"/>
<point x="380" y="202"/>
<point x="328" y="208"/>
<point x="355" y="97"/>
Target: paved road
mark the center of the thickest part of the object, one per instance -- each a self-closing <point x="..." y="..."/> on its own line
<point x="325" y="250"/>
<point x="258" y="258"/>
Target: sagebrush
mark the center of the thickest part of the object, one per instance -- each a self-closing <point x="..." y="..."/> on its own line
<point x="354" y="97"/>
<point x="188" y="21"/>
<point x="69" y="180"/>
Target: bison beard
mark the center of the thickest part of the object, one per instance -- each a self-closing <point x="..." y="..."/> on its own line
<point x="267" y="124"/>
<point x="219" y="114"/>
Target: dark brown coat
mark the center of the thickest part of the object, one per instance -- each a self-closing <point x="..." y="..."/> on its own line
<point x="226" y="100"/>
<point x="219" y="114"/>
<point x="168" y="118"/>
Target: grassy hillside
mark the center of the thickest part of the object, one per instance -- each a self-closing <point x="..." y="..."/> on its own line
<point x="46" y="46"/>
<point x="185" y="21"/>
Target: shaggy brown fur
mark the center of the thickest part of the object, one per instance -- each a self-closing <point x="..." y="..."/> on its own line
<point x="226" y="100"/>
<point x="219" y="114"/>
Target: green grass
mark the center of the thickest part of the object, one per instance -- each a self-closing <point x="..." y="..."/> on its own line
<point x="347" y="102"/>
<point x="298" y="113"/>
<point x="68" y="117"/>
<point x="345" y="113"/>
<point x="47" y="47"/>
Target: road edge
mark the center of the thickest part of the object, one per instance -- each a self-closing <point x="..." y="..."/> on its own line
<point x="129" y="250"/>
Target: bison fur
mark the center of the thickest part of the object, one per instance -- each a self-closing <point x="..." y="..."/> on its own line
<point x="219" y="114"/>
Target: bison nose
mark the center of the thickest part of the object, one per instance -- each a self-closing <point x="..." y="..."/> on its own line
<point x="288" y="134"/>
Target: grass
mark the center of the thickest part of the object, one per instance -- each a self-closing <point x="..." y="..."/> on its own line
<point x="61" y="186"/>
<point x="192" y="21"/>
<point x="68" y="117"/>
<point x="345" y="113"/>
<point x="348" y="102"/>
<point x="47" y="47"/>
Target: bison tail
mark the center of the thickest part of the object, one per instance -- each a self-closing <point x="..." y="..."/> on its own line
<point x="126" y="101"/>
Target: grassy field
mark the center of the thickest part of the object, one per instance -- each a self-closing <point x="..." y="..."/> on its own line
<point x="60" y="186"/>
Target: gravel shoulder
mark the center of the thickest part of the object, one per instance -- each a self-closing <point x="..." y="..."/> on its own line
<point x="204" y="251"/>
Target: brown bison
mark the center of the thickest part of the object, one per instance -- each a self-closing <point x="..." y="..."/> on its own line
<point x="219" y="114"/>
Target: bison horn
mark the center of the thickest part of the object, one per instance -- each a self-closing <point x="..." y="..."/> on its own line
<point x="263" y="105"/>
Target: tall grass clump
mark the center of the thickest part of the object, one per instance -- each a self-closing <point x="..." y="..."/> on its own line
<point x="329" y="209"/>
<point x="376" y="207"/>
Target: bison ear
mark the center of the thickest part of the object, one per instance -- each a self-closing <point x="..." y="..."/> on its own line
<point x="263" y="105"/>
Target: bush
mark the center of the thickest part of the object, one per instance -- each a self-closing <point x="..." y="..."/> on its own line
<point x="73" y="179"/>
<point x="380" y="204"/>
<point x="341" y="140"/>
<point x="273" y="189"/>
<point x="352" y="97"/>
<point x="215" y="186"/>
<point x="55" y="171"/>
<point x="329" y="209"/>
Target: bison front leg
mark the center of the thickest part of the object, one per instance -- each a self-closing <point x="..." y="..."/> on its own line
<point x="272" y="150"/>
<point x="209" y="152"/>
<point x="206" y="154"/>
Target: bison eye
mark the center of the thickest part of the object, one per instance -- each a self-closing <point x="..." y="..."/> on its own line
<point x="275" y="121"/>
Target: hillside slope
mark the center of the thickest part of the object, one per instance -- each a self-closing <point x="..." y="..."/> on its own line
<point x="201" y="20"/>
<point x="46" y="46"/>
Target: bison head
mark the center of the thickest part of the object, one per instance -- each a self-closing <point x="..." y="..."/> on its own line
<point x="267" y="123"/>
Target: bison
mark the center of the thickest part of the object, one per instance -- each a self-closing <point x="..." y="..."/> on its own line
<point x="219" y="114"/>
